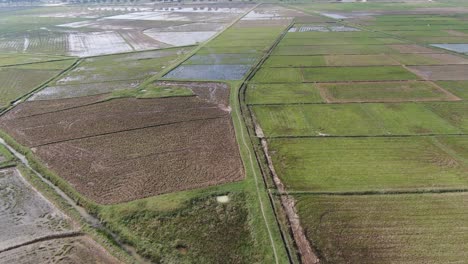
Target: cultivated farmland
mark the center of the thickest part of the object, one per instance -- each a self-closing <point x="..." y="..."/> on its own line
<point x="234" y="132"/>
<point x="362" y="126"/>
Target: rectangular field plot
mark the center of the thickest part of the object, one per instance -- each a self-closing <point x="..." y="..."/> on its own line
<point x="442" y="72"/>
<point x="293" y="41"/>
<point x="362" y="119"/>
<point x="333" y="49"/>
<point x="458" y="88"/>
<point x="331" y="74"/>
<point x="460" y="48"/>
<point x="209" y="72"/>
<point x="13" y="59"/>
<point x="20" y="80"/>
<point x="283" y="93"/>
<point x="278" y="75"/>
<point x="220" y="59"/>
<point x="26" y="214"/>
<point x="131" y="66"/>
<point x="370" y="164"/>
<point x="428" y="59"/>
<point x="405" y="91"/>
<point x="359" y="60"/>
<point x="194" y="135"/>
<point x="294" y="61"/>
<point x="427" y="228"/>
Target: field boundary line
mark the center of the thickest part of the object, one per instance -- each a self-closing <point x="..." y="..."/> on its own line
<point x="36" y="62"/>
<point x="377" y="192"/>
<point x="44" y="238"/>
<point x="38" y="88"/>
<point x="129" y="130"/>
<point x="197" y="48"/>
<point x="367" y="136"/>
<point x="302" y="244"/>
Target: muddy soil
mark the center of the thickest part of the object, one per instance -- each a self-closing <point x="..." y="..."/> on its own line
<point x="25" y="214"/>
<point x="441" y="72"/>
<point x="211" y="92"/>
<point x="412" y="48"/>
<point x="79" y="250"/>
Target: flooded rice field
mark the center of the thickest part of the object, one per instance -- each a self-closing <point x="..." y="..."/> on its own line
<point x="209" y="72"/>
<point x="182" y="38"/>
<point x="460" y="48"/>
<point x="79" y="90"/>
<point x="322" y="28"/>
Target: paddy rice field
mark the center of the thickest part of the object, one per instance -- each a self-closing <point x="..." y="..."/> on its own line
<point x="235" y="132"/>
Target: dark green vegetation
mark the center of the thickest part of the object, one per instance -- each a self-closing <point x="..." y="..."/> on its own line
<point x="187" y="228"/>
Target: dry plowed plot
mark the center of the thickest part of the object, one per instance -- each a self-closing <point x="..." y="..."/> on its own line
<point x="405" y="91"/>
<point x="77" y="250"/>
<point x="442" y="72"/>
<point x="24" y="213"/>
<point x="127" y="149"/>
<point x="423" y="228"/>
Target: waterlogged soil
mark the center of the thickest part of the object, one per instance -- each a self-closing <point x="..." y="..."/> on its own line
<point x="127" y="149"/>
<point x="441" y="72"/>
<point x="460" y="48"/>
<point x="79" y="90"/>
<point x="211" y="92"/>
<point x="77" y="250"/>
<point x="24" y="213"/>
<point x="208" y="72"/>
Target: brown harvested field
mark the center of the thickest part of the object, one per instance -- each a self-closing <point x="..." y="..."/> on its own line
<point x="386" y="92"/>
<point x="106" y="118"/>
<point x="25" y="214"/>
<point x="76" y="250"/>
<point x="125" y="149"/>
<point x="441" y="72"/>
<point x="411" y="48"/>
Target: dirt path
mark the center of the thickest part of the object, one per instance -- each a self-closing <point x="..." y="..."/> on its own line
<point x="304" y="247"/>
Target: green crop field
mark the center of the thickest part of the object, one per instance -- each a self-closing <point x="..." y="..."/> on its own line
<point x="427" y="228"/>
<point x="370" y="164"/>
<point x="458" y="88"/>
<point x="281" y="75"/>
<point x="295" y="61"/>
<point x="283" y="93"/>
<point x="317" y="49"/>
<point x="384" y="73"/>
<point x="359" y="60"/>
<point x="345" y="129"/>
<point x="16" y="81"/>
<point x="362" y="119"/>
<point x="384" y="92"/>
